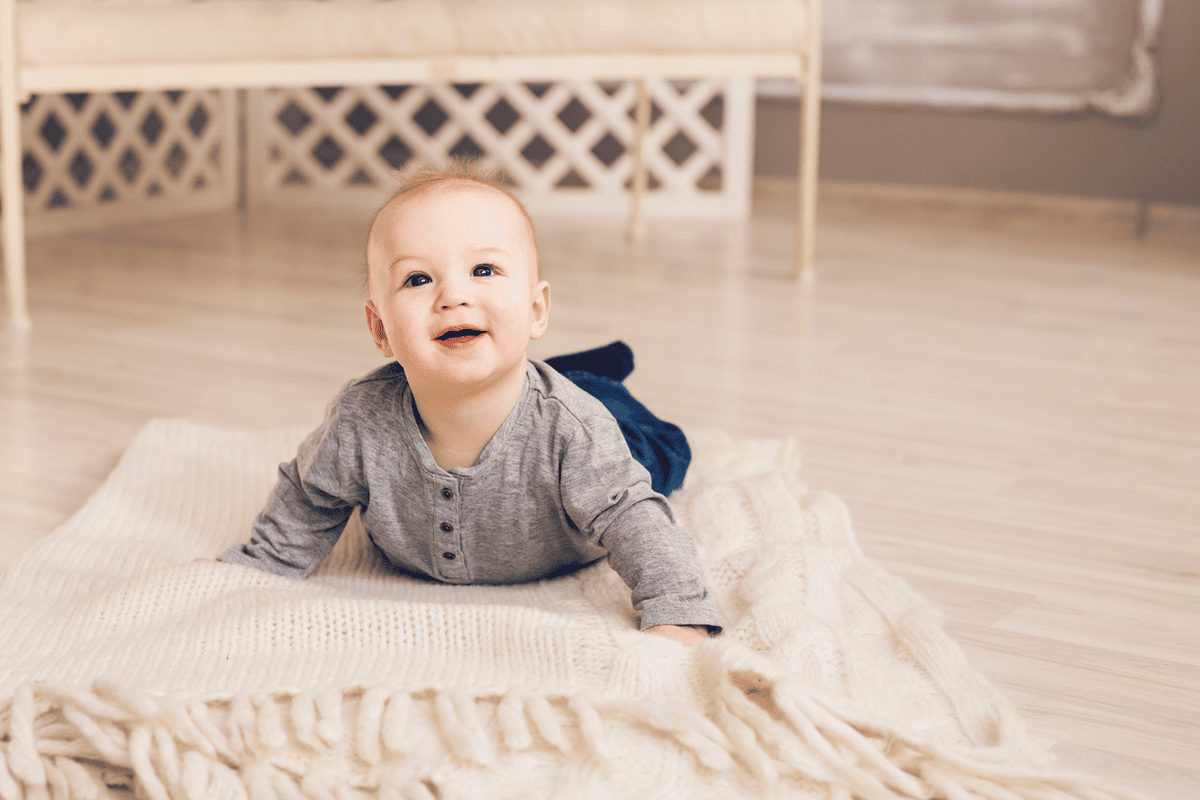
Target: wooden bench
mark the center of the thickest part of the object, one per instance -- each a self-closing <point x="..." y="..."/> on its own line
<point x="49" y="46"/>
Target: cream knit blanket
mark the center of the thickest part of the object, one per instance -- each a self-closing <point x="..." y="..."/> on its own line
<point x="126" y="663"/>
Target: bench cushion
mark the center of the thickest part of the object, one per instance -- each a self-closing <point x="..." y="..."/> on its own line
<point x="83" y="32"/>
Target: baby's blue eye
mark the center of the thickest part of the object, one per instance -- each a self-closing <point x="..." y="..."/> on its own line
<point x="482" y="270"/>
<point x="417" y="279"/>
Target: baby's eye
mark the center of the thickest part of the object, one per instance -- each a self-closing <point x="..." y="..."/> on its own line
<point x="482" y="270"/>
<point x="417" y="279"/>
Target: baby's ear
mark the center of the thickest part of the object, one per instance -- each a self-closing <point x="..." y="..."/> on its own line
<point x="541" y="310"/>
<point x="378" y="332"/>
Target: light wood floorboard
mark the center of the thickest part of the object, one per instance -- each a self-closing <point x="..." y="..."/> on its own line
<point x="1010" y="407"/>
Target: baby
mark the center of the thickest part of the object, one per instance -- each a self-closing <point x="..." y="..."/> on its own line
<point x="470" y="462"/>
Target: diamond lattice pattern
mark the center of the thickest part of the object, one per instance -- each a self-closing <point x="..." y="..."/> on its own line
<point x="572" y="136"/>
<point x="91" y="151"/>
<point x="125" y="151"/>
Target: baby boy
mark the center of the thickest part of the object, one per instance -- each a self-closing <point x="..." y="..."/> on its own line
<point x="470" y="462"/>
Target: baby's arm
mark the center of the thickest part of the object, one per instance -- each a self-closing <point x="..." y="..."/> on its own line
<point x="313" y="499"/>
<point x="608" y="495"/>
<point x="658" y="561"/>
<point x="295" y="531"/>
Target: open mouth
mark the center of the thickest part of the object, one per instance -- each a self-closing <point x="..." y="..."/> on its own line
<point x="460" y="334"/>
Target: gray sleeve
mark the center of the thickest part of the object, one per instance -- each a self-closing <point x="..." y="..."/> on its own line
<point x="315" y="495"/>
<point x="608" y="496"/>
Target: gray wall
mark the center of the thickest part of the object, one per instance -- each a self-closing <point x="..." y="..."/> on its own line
<point x="1156" y="159"/>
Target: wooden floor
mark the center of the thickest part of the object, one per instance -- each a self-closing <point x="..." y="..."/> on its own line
<point x="1011" y="407"/>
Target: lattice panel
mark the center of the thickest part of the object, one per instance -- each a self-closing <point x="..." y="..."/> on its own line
<point x="126" y="155"/>
<point x="565" y="145"/>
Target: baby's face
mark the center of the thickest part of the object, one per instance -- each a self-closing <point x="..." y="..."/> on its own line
<point x="455" y="295"/>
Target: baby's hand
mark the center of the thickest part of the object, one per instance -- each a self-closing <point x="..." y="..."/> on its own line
<point x="687" y="634"/>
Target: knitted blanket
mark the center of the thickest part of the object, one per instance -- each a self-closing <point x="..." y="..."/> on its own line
<point x="129" y="665"/>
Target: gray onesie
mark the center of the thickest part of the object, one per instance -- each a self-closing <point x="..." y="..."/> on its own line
<point x="556" y="488"/>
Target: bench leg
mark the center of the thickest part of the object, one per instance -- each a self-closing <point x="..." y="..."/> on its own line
<point x="810" y="132"/>
<point x="11" y="189"/>
<point x="641" y="181"/>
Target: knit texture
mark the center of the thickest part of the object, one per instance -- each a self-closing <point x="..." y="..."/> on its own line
<point x="126" y="663"/>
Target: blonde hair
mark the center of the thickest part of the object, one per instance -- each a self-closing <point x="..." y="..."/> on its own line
<point x="421" y="178"/>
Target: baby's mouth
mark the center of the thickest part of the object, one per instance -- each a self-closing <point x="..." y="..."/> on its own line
<point x="460" y="334"/>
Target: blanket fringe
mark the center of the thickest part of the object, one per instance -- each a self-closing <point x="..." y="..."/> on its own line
<point x="266" y="747"/>
<point x="869" y="759"/>
<point x="333" y="743"/>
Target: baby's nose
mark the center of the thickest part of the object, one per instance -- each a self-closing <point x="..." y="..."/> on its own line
<point x="452" y="295"/>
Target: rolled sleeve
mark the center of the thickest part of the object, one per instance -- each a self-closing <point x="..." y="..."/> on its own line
<point x="608" y="494"/>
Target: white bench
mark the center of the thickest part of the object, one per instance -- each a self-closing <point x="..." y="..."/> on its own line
<point x="49" y="46"/>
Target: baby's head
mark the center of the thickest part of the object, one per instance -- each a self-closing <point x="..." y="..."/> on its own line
<point x="453" y="278"/>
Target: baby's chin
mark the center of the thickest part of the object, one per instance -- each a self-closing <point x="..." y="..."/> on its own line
<point x="460" y="371"/>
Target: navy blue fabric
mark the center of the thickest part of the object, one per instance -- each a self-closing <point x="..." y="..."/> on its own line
<point x="657" y="445"/>
<point x="611" y="361"/>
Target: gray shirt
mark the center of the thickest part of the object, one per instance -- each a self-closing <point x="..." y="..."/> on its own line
<point x="556" y="488"/>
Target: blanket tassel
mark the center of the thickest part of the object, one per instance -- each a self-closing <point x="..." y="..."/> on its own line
<point x="9" y="790"/>
<point x="461" y="727"/>
<point x="370" y="724"/>
<point x="778" y="728"/>
<point x="982" y="772"/>
<point x="514" y="727"/>
<point x="395" y="721"/>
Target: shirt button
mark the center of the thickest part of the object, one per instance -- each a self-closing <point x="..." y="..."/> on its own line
<point x="447" y="527"/>
<point x="446" y="493"/>
<point x="448" y="556"/>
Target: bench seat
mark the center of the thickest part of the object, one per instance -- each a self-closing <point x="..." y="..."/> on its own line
<point x="54" y="33"/>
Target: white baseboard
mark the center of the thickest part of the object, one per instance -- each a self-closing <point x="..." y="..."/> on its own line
<point x="997" y="204"/>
